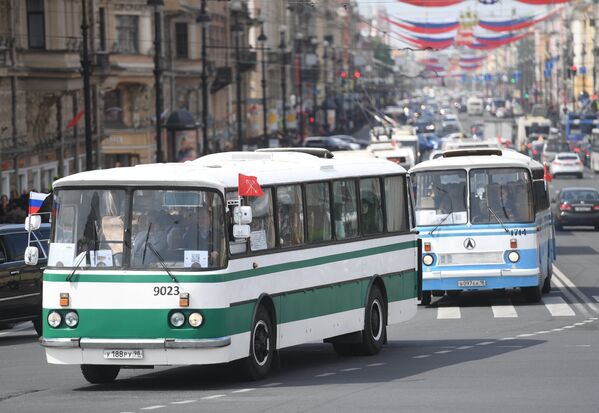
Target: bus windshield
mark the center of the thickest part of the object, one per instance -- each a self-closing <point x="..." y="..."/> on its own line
<point x="169" y="228"/>
<point x="441" y="197"/>
<point x="500" y="195"/>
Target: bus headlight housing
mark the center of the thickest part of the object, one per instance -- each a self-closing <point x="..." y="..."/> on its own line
<point x="195" y="319"/>
<point x="428" y="259"/>
<point x="177" y="319"/>
<point x="71" y="319"/>
<point x="54" y="319"/>
<point x="513" y="256"/>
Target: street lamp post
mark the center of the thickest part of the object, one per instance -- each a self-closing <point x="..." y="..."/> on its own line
<point x="157" y="73"/>
<point x="262" y="39"/>
<point x="299" y="38"/>
<point x="282" y="46"/>
<point x="236" y="8"/>
<point x="204" y="20"/>
<point x="325" y="46"/>
<point x="86" y="69"/>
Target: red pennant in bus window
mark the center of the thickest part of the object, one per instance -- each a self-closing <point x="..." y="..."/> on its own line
<point x="249" y="186"/>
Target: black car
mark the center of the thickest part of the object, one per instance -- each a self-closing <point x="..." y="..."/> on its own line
<point x="327" y="142"/>
<point x="576" y="206"/>
<point x="20" y="284"/>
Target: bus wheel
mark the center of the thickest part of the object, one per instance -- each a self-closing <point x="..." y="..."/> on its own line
<point x="532" y="294"/>
<point x="375" y="323"/>
<point x="426" y="298"/>
<point x="438" y="293"/>
<point x="547" y="283"/>
<point x="453" y="293"/>
<point x="99" y="374"/>
<point x="262" y="346"/>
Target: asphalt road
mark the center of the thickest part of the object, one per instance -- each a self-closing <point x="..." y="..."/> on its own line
<point x="489" y="352"/>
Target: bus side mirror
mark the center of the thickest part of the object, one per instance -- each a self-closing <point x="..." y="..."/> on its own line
<point x="31" y="255"/>
<point x="33" y="222"/>
<point x="242" y="215"/>
<point x="241" y="231"/>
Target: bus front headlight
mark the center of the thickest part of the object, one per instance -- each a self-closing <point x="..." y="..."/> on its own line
<point x="513" y="256"/>
<point x="177" y="319"/>
<point x="54" y="319"/>
<point x="195" y="320"/>
<point x="428" y="259"/>
<point x="71" y="319"/>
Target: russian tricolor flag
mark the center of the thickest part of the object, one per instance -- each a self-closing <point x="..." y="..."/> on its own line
<point x="36" y="200"/>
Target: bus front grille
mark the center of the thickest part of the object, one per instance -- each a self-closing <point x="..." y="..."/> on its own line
<point x="470" y="258"/>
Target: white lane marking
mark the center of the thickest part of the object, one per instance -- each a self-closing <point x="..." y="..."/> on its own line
<point x="351" y="369"/>
<point x="587" y="321"/>
<point x="484" y="343"/>
<point x="570" y="296"/>
<point x="271" y="384"/>
<point x="507" y="338"/>
<point x="568" y="326"/>
<point x="444" y="313"/>
<point x="542" y="332"/>
<point x="578" y="324"/>
<point x="375" y="364"/>
<point x="443" y="351"/>
<point x="242" y="390"/>
<point x="325" y="374"/>
<point x="158" y="406"/>
<point x="214" y="396"/>
<point x="558" y="307"/>
<point x="504" y="311"/>
<point x="423" y="356"/>
<point x="184" y="402"/>
<point x="596" y="298"/>
<point x="525" y="335"/>
<point x="575" y="290"/>
<point x="583" y="345"/>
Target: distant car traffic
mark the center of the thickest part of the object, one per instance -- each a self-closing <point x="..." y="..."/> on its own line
<point x="327" y="142"/>
<point x="552" y="147"/>
<point x="576" y="206"/>
<point x="353" y="142"/>
<point x="21" y="284"/>
<point x="566" y="163"/>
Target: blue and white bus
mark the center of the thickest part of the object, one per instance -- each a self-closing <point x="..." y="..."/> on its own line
<point x="485" y="223"/>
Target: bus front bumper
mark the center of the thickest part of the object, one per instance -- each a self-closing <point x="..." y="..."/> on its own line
<point x="480" y="279"/>
<point x="154" y="352"/>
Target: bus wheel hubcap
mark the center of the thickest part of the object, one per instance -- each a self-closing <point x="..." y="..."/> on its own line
<point x="261" y="342"/>
<point x="376" y="320"/>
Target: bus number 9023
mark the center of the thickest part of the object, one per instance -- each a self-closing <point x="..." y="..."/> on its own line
<point x="166" y="290"/>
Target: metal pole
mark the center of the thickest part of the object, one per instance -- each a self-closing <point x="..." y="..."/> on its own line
<point x="283" y="83"/>
<point x="86" y="70"/>
<point x="326" y="90"/>
<point x="264" y="110"/>
<point x="205" y="147"/>
<point x="301" y="93"/>
<point x="238" y="84"/>
<point x="157" y="77"/>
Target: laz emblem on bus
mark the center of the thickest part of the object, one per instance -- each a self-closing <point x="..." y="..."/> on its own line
<point x="518" y="232"/>
<point x="469" y="244"/>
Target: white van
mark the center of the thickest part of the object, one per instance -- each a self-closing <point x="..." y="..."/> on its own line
<point x="474" y="106"/>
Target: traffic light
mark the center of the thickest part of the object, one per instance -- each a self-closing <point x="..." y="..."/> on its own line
<point x="357" y="74"/>
<point x="311" y="119"/>
<point x="526" y="95"/>
<point x="343" y="75"/>
<point x="573" y="70"/>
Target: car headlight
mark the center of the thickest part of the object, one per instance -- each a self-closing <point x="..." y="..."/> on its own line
<point x="195" y="319"/>
<point x="71" y="319"/>
<point x="177" y="319"/>
<point x="54" y="319"/>
<point x="428" y="259"/>
<point x="513" y="256"/>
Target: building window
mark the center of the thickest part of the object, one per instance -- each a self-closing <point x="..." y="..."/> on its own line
<point x="36" y="31"/>
<point x="127" y="34"/>
<point x="181" y="40"/>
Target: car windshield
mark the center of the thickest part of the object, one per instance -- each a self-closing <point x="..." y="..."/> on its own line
<point x="580" y="195"/>
<point x="500" y="195"/>
<point x="440" y="197"/>
<point x="168" y="228"/>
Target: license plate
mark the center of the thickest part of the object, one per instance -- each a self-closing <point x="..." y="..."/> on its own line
<point x="472" y="283"/>
<point x="582" y="209"/>
<point x="124" y="354"/>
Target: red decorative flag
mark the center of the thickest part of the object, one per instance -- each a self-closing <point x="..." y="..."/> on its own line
<point x="76" y="119"/>
<point x="249" y="186"/>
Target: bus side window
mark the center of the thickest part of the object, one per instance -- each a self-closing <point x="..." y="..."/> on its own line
<point x="290" y="215"/>
<point x="318" y="212"/>
<point x="540" y="196"/>
<point x="371" y="206"/>
<point x="396" y="205"/>
<point x="345" y="209"/>
<point x="262" y="234"/>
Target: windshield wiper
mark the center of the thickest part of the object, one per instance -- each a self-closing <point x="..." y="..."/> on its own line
<point x="83" y="255"/>
<point x="161" y="261"/>
<point x="143" y="256"/>
<point x="498" y="220"/>
<point x="446" y="216"/>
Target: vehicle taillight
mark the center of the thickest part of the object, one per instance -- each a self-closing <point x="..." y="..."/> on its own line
<point x="396" y="160"/>
<point x="596" y="208"/>
<point x="565" y="207"/>
<point x="555" y="163"/>
<point x="579" y="162"/>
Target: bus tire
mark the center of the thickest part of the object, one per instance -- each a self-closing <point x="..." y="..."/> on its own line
<point x="98" y="374"/>
<point x="438" y="293"/>
<point x="453" y="293"/>
<point x="375" y="323"/>
<point x="532" y="294"/>
<point x="547" y="283"/>
<point x="426" y="298"/>
<point x="262" y="346"/>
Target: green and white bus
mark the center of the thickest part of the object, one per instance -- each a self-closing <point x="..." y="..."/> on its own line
<point x="164" y="264"/>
